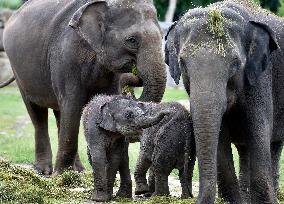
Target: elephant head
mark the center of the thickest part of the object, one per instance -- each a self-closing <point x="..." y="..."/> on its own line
<point x="219" y="53"/>
<point x="5" y="14"/>
<point x="126" y="116"/>
<point x="124" y="34"/>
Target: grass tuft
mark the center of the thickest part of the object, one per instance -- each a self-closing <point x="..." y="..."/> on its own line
<point x="216" y="23"/>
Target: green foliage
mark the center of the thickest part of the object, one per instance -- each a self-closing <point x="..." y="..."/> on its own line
<point x="161" y="6"/>
<point x="12" y="4"/>
<point x="281" y="8"/>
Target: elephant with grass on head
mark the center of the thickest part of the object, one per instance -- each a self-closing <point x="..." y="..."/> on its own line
<point x="63" y="52"/>
<point x="108" y="122"/>
<point x="230" y="56"/>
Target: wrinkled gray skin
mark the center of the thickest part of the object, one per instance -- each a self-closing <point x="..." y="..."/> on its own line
<point x="63" y="52"/>
<point x="234" y="98"/>
<point x="108" y="121"/>
<point x="5" y="14"/>
<point x="166" y="146"/>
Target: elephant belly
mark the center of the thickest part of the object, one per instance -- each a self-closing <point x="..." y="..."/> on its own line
<point x="35" y="87"/>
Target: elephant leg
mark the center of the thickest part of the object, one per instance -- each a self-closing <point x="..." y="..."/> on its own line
<point x="185" y="175"/>
<point x="151" y="180"/>
<point x="89" y="156"/>
<point x="43" y="153"/>
<point x="142" y="166"/>
<point x="78" y="166"/>
<point x="190" y="167"/>
<point x="228" y="186"/>
<point x="244" y="177"/>
<point x="102" y="176"/>
<point x="186" y="189"/>
<point x="161" y="184"/>
<point x="70" y="114"/>
<point x="276" y="150"/>
<point x="125" y="189"/>
<point x="112" y="168"/>
<point x="261" y="183"/>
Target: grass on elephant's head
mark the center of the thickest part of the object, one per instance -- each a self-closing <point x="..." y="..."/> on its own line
<point x="216" y="23"/>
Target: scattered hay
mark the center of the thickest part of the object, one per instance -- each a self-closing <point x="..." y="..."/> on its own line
<point x="134" y="70"/>
<point x="216" y="23"/>
<point x="280" y="196"/>
<point x="128" y="89"/>
<point x="20" y="185"/>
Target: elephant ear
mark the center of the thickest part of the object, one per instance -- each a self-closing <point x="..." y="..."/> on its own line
<point x="172" y="52"/>
<point x="261" y="43"/>
<point x="89" y="22"/>
<point x="106" y="120"/>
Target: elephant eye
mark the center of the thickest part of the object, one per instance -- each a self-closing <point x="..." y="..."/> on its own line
<point x="132" y="42"/>
<point x="129" y="115"/>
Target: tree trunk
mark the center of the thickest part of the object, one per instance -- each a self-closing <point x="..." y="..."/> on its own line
<point x="171" y="11"/>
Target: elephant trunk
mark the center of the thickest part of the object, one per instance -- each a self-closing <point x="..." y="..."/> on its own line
<point x="145" y="122"/>
<point x="152" y="70"/>
<point x="207" y="117"/>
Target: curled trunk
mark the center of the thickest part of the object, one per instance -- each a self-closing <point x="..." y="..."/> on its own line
<point x="145" y="122"/>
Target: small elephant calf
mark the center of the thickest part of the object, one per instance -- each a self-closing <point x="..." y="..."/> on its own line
<point x="108" y="121"/>
<point x="165" y="146"/>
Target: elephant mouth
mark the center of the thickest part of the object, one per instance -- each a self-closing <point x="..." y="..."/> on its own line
<point x="127" y="66"/>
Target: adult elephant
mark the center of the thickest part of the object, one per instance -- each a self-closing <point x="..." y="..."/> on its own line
<point x="63" y="52"/>
<point x="233" y="71"/>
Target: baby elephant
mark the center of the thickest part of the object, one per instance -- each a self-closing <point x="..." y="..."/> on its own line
<point x="165" y="146"/>
<point x="108" y="121"/>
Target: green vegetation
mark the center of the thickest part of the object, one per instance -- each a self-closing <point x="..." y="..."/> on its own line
<point x="12" y="4"/>
<point x="21" y="185"/>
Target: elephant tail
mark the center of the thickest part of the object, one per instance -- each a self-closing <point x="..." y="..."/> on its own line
<point x="6" y="83"/>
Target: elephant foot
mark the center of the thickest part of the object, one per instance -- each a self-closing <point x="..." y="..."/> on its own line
<point x="101" y="196"/>
<point x="141" y="188"/>
<point x="78" y="166"/>
<point x="186" y="195"/>
<point x="160" y="194"/>
<point x="63" y="164"/>
<point x="124" y="193"/>
<point x="44" y="169"/>
<point x="148" y="195"/>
